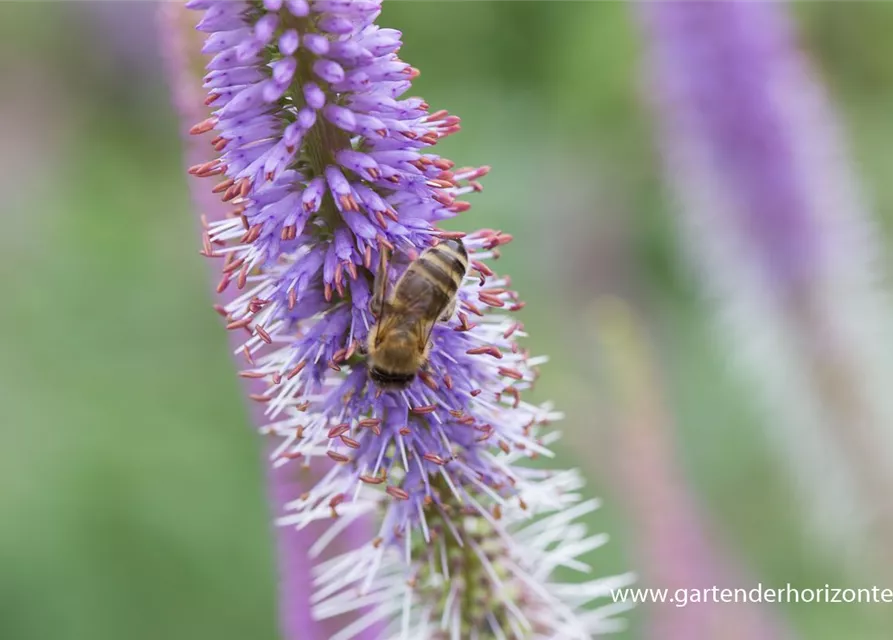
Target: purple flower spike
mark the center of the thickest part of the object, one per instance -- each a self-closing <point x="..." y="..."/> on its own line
<point x="327" y="166"/>
<point x="775" y="224"/>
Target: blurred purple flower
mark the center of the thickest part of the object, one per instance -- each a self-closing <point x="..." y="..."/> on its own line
<point x="672" y="537"/>
<point x="125" y="46"/>
<point x="327" y="166"/>
<point x="774" y="224"/>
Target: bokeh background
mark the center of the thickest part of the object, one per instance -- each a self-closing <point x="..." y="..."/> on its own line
<point x="131" y="503"/>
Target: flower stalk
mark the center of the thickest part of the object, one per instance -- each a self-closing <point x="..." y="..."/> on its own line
<point x="672" y="536"/>
<point x="330" y="172"/>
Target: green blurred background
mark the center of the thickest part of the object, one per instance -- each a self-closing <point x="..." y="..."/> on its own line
<point x="131" y="503"/>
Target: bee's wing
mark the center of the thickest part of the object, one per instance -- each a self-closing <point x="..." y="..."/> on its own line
<point x="416" y="298"/>
<point x="379" y="303"/>
<point x="425" y="329"/>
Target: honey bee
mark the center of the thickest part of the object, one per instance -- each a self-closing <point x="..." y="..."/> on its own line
<point x="425" y="294"/>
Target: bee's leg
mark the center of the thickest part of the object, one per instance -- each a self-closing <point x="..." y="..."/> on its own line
<point x="376" y="302"/>
<point x="448" y="311"/>
<point x="380" y="285"/>
<point x="424" y="353"/>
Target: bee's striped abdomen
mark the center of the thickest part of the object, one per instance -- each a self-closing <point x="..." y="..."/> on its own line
<point x="452" y="259"/>
<point x="444" y="266"/>
<point x="434" y="277"/>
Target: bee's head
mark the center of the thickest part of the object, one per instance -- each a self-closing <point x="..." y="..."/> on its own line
<point x="390" y="380"/>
